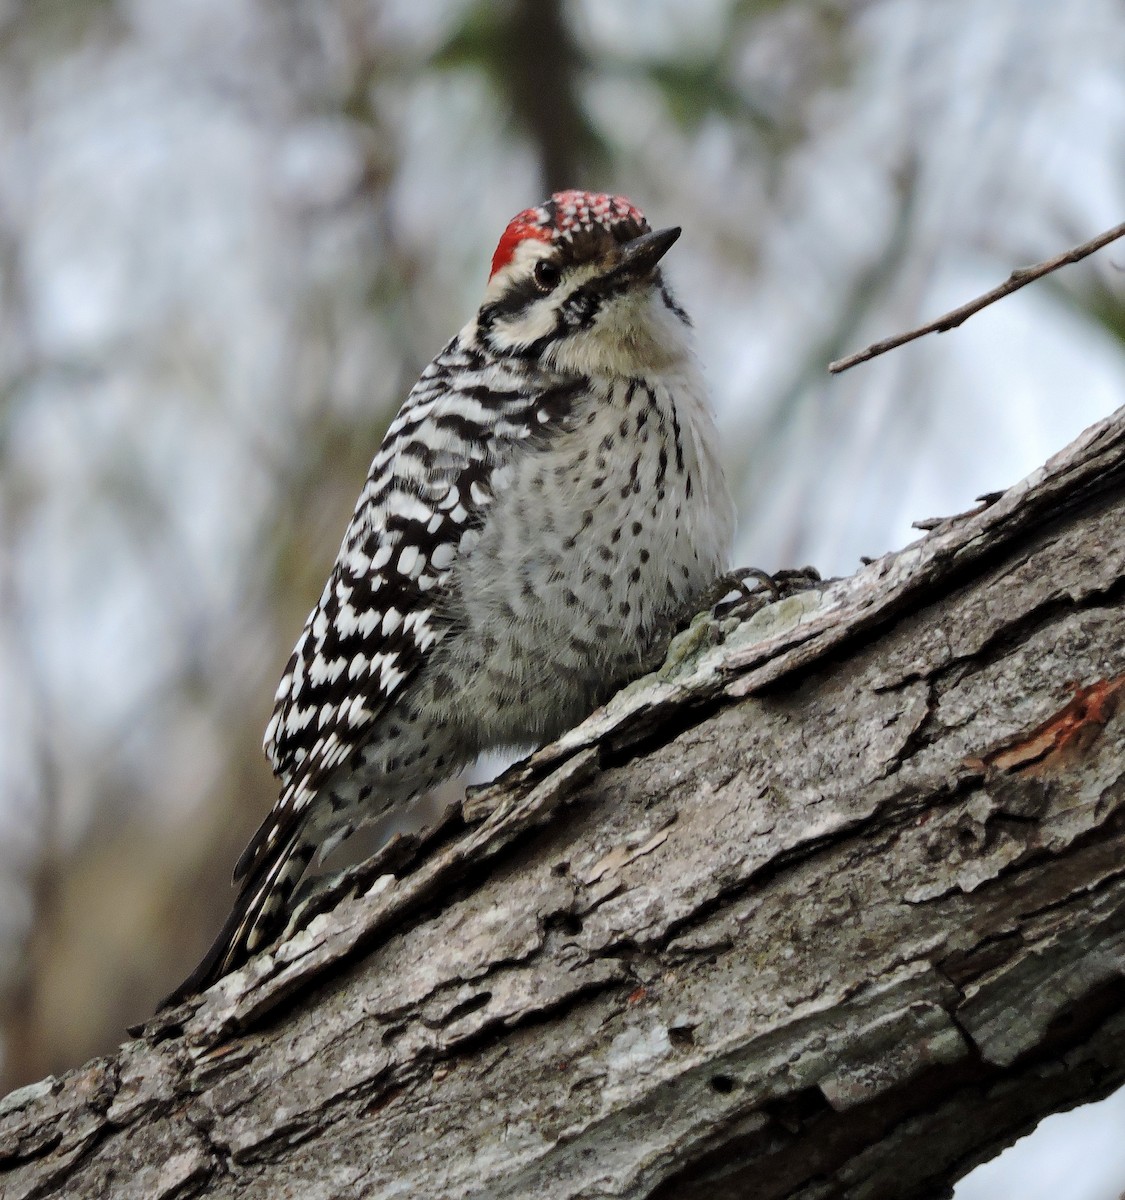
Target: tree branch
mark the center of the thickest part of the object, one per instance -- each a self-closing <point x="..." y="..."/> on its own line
<point x="833" y="905"/>
<point x="1019" y="278"/>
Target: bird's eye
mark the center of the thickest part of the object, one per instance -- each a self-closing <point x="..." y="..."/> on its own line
<point x="547" y="275"/>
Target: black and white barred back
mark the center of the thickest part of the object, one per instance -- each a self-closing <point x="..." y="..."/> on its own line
<point x="545" y="504"/>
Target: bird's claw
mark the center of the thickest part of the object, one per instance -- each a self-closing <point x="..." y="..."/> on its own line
<point x="775" y="587"/>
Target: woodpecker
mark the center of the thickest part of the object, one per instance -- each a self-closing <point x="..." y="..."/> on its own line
<point x="544" y="508"/>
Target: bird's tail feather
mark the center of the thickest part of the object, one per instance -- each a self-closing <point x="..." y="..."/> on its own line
<point x="258" y="916"/>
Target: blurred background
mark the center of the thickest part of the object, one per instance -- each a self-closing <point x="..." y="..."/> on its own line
<point x="233" y="231"/>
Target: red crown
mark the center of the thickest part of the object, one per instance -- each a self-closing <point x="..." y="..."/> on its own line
<point x="563" y="215"/>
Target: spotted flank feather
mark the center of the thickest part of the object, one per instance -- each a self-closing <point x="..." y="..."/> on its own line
<point x="380" y="613"/>
<point x="442" y="463"/>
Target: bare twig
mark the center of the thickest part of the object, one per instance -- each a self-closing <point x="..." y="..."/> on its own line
<point x="1017" y="279"/>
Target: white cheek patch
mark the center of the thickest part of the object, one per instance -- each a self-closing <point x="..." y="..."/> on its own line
<point x="540" y="318"/>
<point x="538" y="321"/>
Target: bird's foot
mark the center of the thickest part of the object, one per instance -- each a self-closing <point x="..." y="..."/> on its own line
<point x="733" y="597"/>
<point x="756" y="588"/>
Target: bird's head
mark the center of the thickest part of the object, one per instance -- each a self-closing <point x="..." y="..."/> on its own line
<point x="576" y="285"/>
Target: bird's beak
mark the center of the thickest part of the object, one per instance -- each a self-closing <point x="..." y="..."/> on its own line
<point x="643" y="253"/>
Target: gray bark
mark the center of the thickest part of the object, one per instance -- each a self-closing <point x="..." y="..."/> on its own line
<point x="834" y="904"/>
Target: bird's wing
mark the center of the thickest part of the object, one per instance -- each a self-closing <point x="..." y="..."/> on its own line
<point x="378" y="618"/>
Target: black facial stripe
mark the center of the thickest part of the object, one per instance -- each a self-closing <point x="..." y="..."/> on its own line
<point x="579" y="247"/>
<point x="519" y="296"/>
<point x="580" y="308"/>
<point x="671" y="304"/>
<point x="577" y="311"/>
<point x="533" y="350"/>
<point x="586" y="300"/>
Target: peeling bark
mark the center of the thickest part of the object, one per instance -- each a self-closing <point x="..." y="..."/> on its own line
<point x="832" y="905"/>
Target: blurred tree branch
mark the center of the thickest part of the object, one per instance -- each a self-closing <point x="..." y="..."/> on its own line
<point x="831" y="905"/>
<point x="528" y="53"/>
